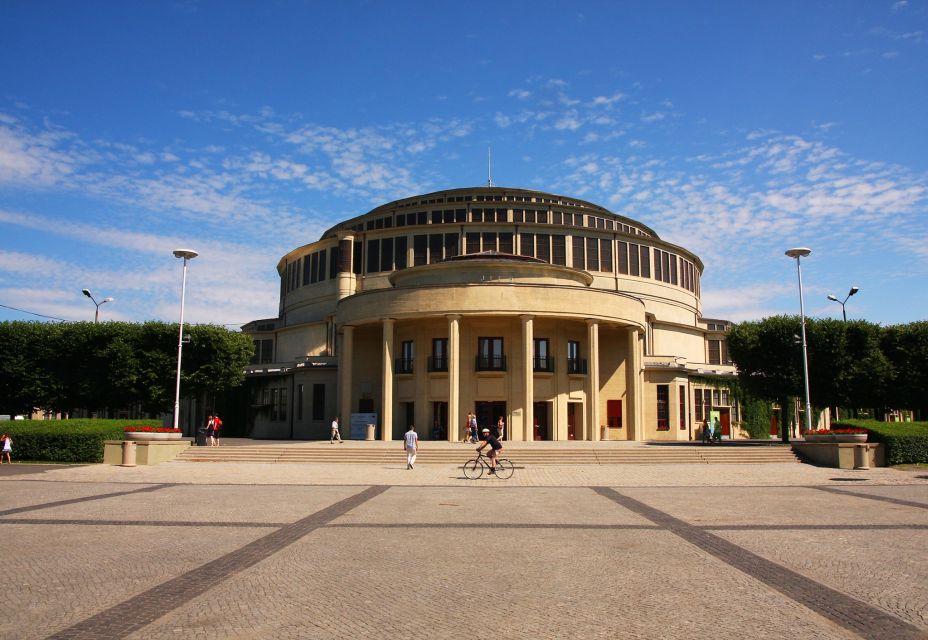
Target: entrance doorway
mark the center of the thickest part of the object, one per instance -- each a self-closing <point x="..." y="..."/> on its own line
<point x="725" y="419"/>
<point x="488" y="413"/>
<point x="439" y="421"/>
<point x="541" y="428"/>
<point x="408" y="411"/>
<point x="573" y="417"/>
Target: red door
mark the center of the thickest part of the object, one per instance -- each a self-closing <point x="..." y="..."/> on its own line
<point x="725" y="415"/>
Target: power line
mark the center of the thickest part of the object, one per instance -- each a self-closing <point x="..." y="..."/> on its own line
<point x="34" y="313"/>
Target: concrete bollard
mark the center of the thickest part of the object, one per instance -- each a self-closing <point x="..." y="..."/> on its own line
<point x="862" y="456"/>
<point x="604" y="432"/>
<point x="370" y="432"/>
<point x="128" y="453"/>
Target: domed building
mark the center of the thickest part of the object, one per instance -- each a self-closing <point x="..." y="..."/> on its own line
<point x="562" y="318"/>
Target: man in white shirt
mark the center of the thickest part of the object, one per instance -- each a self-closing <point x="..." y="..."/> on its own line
<point x="335" y="434"/>
<point x="412" y="446"/>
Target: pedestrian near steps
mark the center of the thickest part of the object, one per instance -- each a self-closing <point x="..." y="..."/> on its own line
<point x="335" y="433"/>
<point x="411" y="440"/>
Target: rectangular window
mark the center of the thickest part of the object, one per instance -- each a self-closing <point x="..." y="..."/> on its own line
<point x="476" y="215"/>
<point x="473" y="242"/>
<point x="542" y="217"/>
<point x="438" y="361"/>
<point x="282" y="404"/>
<point x="357" y="252"/>
<point x="682" y="407"/>
<point x="592" y="254"/>
<point x="333" y="262"/>
<point x="558" y="217"/>
<point x="436" y="245"/>
<point x="579" y="257"/>
<point x="422" y="217"/>
<point x="399" y="252"/>
<point x="559" y="250"/>
<point x="666" y="265"/>
<point x="386" y="254"/>
<point x="299" y="402"/>
<point x="321" y="266"/>
<point x="407" y="357"/>
<point x="436" y="217"/>
<point x="306" y="272"/>
<point x="490" y="356"/>
<point x="575" y="364"/>
<point x="527" y="244"/>
<point x="518" y="215"/>
<point x="451" y="245"/>
<point x="645" y="262"/>
<point x="715" y="351"/>
<point x="420" y="250"/>
<point x="633" y="253"/>
<point x="505" y="243"/>
<point x="267" y="351"/>
<point x="673" y="269"/>
<point x="698" y="407"/>
<point x="605" y="255"/>
<point x="623" y="258"/>
<point x="663" y="407"/>
<point x="542" y="360"/>
<point x="318" y="402"/>
<point x="460" y="215"/>
<point x="658" y="270"/>
<point x="543" y="244"/>
<point x="614" y="413"/>
<point x="489" y="241"/>
<point x="373" y="256"/>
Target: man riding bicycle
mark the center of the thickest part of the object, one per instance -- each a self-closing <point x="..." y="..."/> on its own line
<point x="495" y="448"/>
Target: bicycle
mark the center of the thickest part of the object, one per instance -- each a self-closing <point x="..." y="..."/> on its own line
<point x="474" y="469"/>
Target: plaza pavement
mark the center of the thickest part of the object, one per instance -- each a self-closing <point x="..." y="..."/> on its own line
<point x="240" y="550"/>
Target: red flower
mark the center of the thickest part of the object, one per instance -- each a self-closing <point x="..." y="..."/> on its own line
<point x="152" y="429"/>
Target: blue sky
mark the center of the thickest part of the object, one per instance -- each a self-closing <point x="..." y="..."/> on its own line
<point x="243" y="130"/>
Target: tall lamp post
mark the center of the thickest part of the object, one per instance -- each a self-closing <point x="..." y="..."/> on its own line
<point x="799" y="253"/>
<point x="186" y="254"/>
<point x="832" y="297"/>
<point x="96" y="316"/>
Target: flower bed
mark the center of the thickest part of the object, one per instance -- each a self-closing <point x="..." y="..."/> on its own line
<point x="151" y="433"/>
<point x="836" y="435"/>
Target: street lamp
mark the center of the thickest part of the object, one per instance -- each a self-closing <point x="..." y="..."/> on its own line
<point x="96" y="316"/>
<point x="800" y="253"/>
<point x="832" y="297"/>
<point x="186" y="254"/>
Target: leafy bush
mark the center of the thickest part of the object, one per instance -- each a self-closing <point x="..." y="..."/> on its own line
<point x="906" y="442"/>
<point x="66" y="441"/>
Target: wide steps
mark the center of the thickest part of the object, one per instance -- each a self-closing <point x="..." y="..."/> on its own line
<point x="520" y="456"/>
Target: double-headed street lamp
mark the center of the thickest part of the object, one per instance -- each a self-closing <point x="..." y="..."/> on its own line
<point x="96" y="316"/>
<point x="799" y="253"/>
<point x="832" y="297"/>
<point x="186" y="254"/>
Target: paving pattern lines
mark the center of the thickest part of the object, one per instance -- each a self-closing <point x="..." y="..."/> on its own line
<point x="916" y="496"/>
<point x="57" y="575"/>
<point x="29" y="496"/>
<point x="180" y="503"/>
<point x="140" y="610"/>
<point x="702" y="475"/>
<point x="774" y="506"/>
<point x="888" y="570"/>
<point x="854" y="615"/>
<point x="453" y="581"/>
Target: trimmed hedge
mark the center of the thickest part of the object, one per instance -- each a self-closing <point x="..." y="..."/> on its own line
<point x="64" y="441"/>
<point x="906" y="442"/>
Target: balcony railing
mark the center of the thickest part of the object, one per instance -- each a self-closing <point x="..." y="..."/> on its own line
<point x="404" y="365"/>
<point x="491" y="363"/>
<point x="545" y="363"/>
<point x="438" y="363"/>
<point x="576" y="365"/>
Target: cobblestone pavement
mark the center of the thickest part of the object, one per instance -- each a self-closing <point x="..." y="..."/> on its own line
<point x="234" y="550"/>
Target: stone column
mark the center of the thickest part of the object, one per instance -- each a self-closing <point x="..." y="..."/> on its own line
<point x="454" y="378"/>
<point x="386" y="410"/>
<point x="345" y="272"/>
<point x="344" y="376"/>
<point x="633" y="384"/>
<point x="528" y="350"/>
<point x="592" y="378"/>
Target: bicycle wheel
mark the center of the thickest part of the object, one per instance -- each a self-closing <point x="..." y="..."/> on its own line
<point x="503" y="469"/>
<point x="473" y="469"/>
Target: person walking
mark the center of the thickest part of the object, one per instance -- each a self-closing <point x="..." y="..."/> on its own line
<point x="217" y="429"/>
<point x="7" y="444"/>
<point x="411" y="445"/>
<point x="501" y="429"/>
<point x="467" y="427"/>
<point x="475" y="437"/>
<point x="210" y="430"/>
<point x="335" y="434"/>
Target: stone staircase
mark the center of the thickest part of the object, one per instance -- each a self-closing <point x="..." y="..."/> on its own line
<point x="521" y="454"/>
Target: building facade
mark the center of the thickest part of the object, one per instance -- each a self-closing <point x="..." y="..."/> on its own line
<point x="562" y="318"/>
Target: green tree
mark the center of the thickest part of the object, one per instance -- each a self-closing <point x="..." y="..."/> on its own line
<point x="906" y="348"/>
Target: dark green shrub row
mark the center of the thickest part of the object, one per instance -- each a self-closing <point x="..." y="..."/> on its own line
<point x="906" y="442"/>
<point x="66" y="441"/>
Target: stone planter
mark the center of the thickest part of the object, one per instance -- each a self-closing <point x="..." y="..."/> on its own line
<point x="818" y="437"/>
<point x="151" y="435"/>
<point x="850" y="437"/>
